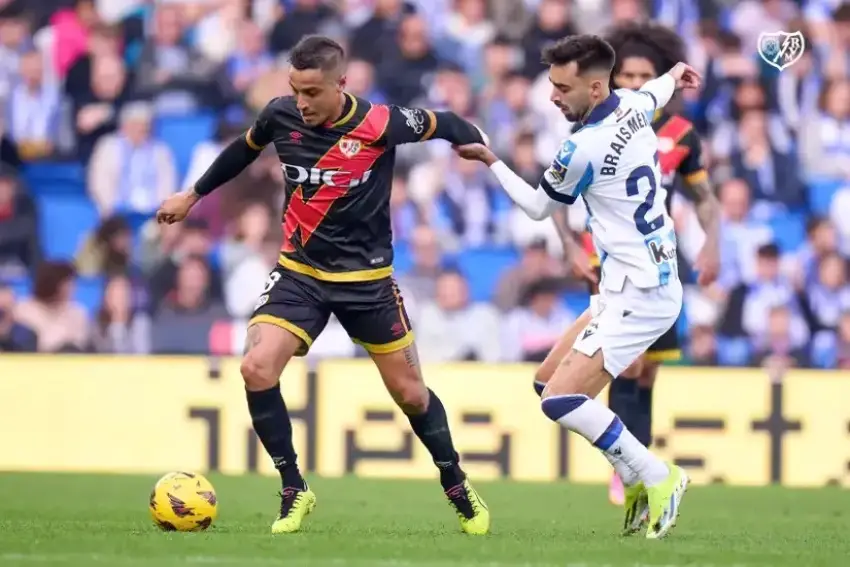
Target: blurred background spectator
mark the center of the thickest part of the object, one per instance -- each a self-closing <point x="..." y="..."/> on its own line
<point x="111" y="106"/>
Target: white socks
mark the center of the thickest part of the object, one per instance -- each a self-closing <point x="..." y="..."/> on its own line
<point x="598" y="424"/>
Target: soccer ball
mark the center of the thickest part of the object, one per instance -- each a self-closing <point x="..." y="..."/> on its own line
<point x="183" y="502"/>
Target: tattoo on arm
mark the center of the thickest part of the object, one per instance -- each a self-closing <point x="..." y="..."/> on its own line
<point x="253" y="338"/>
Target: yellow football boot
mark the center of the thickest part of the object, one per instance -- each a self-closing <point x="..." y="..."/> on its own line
<point x="295" y="505"/>
<point x="470" y="508"/>
<point x="636" y="505"/>
<point x="664" y="502"/>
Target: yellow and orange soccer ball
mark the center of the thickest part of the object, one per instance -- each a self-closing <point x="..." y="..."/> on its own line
<point x="183" y="502"/>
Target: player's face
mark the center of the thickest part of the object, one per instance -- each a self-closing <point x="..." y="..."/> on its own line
<point x="634" y="72"/>
<point x="573" y="93"/>
<point x="317" y="94"/>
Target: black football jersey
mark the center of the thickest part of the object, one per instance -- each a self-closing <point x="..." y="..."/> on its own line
<point x="336" y="221"/>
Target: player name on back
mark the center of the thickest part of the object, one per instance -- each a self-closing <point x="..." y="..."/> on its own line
<point x="635" y="121"/>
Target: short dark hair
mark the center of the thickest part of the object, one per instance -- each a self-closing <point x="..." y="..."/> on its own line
<point x="317" y="52"/>
<point x="655" y="42"/>
<point x="587" y="51"/>
<point x="768" y="251"/>
<point x="49" y="276"/>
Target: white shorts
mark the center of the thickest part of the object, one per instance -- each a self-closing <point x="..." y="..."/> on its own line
<point x="626" y="323"/>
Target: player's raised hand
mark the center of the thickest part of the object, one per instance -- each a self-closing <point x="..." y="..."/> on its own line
<point x="177" y="207"/>
<point x="476" y="152"/>
<point x="686" y="77"/>
<point x="707" y="265"/>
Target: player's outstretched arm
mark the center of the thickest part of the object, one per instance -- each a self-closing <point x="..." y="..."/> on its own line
<point x="411" y="125"/>
<point x="238" y="155"/>
<point x="569" y="175"/>
<point x="661" y="90"/>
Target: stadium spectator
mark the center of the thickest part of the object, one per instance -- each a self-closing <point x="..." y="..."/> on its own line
<point x="825" y="138"/>
<point x="778" y="349"/>
<point x="15" y="40"/>
<point x="33" y="110"/>
<point x="531" y="330"/>
<point x="120" y="326"/>
<point x="551" y="24"/>
<point x="96" y="110"/>
<point x="360" y="77"/>
<point x="182" y="324"/>
<point x="534" y="265"/>
<point x="71" y="28"/>
<point x="245" y="258"/>
<point x="104" y="41"/>
<point x="702" y="346"/>
<point x="14" y="337"/>
<point x="828" y="295"/>
<point x="401" y="71"/>
<point x="383" y="23"/>
<point x="108" y="250"/>
<point x="467" y="30"/>
<point x="177" y="77"/>
<point x="452" y="328"/>
<point x="420" y="281"/>
<point x="131" y="171"/>
<point x="406" y="215"/>
<point x="741" y="235"/>
<point x="20" y="250"/>
<point x="821" y="241"/>
<point x="306" y="17"/>
<point x="59" y="322"/>
<point x="191" y="240"/>
<point x="251" y="58"/>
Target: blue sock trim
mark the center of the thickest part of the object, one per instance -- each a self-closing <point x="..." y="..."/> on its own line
<point x="610" y="436"/>
<point x="556" y="407"/>
<point x="539" y="387"/>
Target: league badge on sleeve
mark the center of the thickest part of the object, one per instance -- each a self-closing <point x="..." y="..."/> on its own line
<point x="781" y="49"/>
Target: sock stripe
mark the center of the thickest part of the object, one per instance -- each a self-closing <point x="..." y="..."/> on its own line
<point x="610" y="435"/>
<point x="539" y="387"/>
<point x="557" y="407"/>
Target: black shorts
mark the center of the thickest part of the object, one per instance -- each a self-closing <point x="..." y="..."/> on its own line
<point x="371" y="312"/>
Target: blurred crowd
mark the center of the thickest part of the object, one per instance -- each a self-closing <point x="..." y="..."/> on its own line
<point x="86" y="81"/>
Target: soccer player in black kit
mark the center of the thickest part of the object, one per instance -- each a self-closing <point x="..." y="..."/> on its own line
<point x="645" y="51"/>
<point x="337" y="153"/>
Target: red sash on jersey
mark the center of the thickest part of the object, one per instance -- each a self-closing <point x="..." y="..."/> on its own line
<point x="671" y="155"/>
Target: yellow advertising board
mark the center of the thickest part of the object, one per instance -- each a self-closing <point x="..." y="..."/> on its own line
<point x="153" y="414"/>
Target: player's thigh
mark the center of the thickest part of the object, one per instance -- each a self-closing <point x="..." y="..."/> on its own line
<point x="374" y="316"/>
<point x="624" y="329"/>
<point x="295" y="305"/>
<point x="667" y="348"/>
<point x="561" y="349"/>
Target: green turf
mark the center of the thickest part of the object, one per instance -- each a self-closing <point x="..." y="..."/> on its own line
<point x="91" y="521"/>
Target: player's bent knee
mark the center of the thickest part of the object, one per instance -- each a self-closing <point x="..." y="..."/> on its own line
<point x="257" y="373"/>
<point x="410" y="395"/>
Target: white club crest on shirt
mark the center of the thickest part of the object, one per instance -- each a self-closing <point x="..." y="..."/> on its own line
<point x="781" y="49"/>
<point x="349" y="147"/>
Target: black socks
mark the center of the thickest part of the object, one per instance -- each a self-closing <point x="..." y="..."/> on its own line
<point x="432" y="428"/>
<point x="642" y="429"/>
<point x="274" y="428"/>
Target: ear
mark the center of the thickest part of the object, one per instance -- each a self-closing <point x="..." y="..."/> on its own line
<point x="342" y="82"/>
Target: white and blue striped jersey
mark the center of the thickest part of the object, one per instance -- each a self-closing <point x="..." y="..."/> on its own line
<point x="612" y="162"/>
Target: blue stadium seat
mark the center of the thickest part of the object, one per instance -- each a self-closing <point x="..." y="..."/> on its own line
<point x="21" y="287"/>
<point x="55" y="178"/>
<point x="821" y="193"/>
<point x="733" y="351"/>
<point x="789" y="231"/>
<point x="402" y="260"/>
<point x="483" y="267"/>
<point x="64" y="222"/>
<point x="89" y="293"/>
<point x="576" y="301"/>
<point x="182" y="133"/>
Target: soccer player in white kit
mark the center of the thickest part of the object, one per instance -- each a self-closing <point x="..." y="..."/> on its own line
<point x="612" y="163"/>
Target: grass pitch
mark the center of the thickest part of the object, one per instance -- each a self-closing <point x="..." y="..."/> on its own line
<point x="93" y="521"/>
